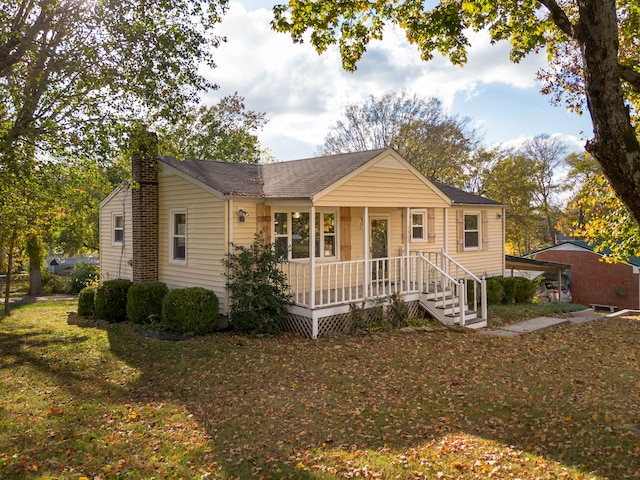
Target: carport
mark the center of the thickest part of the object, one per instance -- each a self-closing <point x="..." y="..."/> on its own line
<point x="519" y="263"/>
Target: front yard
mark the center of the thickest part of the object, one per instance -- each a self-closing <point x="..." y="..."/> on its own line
<point x="80" y="400"/>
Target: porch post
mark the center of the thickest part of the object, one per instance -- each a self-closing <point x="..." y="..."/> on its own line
<point x="365" y="236"/>
<point x="407" y="237"/>
<point x="312" y="259"/>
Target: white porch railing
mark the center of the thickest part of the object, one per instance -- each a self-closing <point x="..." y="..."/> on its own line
<point x="339" y="283"/>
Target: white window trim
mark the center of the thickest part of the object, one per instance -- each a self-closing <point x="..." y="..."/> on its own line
<point x="114" y="215"/>
<point x="423" y="213"/>
<point x="312" y="237"/>
<point x="479" y="230"/>
<point x="172" y="213"/>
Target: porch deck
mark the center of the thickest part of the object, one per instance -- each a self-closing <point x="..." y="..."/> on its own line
<point x="428" y="280"/>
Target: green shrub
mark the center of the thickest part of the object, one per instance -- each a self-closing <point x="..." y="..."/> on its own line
<point x="259" y="290"/>
<point x="495" y="291"/>
<point x="144" y="300"/>
<point x="54" y="283"/>
<point x="86" y="299"/>
<point x="525" y="290"/>
<point x="192" y="309"/>
<point x="83" y="275"/>
<point x="398" y="311"/>
<point x="111" y="300"/>
<point x="510" y="290"/>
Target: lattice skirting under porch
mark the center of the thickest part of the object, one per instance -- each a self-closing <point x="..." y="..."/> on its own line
<point x="335" y="324"/>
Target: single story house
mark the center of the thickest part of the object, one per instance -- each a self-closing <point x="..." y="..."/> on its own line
<point x="380" y="227"/>
<point x="594" y="281"/>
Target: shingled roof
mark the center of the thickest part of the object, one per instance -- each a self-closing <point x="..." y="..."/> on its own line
<point x="293" y="179"/>
<point x="241" y="179"/>
<point x="307" y="177"/>
<point x="460" y="197"/>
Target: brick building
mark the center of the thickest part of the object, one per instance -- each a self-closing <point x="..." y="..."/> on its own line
<point x="593" y="280"/>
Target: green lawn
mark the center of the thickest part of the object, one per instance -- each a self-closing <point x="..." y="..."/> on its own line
<point x="102" y="401"/>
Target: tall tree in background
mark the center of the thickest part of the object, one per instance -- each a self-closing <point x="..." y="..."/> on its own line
<point x="436" y="144"/>
<point x="510" y="181"/>
<point x="592" y="45"/>
<point x="225" y="132"/>
<point x="548" y="155"/>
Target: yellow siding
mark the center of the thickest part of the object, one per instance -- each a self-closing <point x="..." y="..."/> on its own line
<point x="488" y="262"/>
<point x="114" y="258"/>
<point x="380" y="186"/>
<point x="205" y="237"/>
<point x="244" y="232"/>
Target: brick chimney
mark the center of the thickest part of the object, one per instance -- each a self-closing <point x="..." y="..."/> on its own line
<point x="144" y="207"/>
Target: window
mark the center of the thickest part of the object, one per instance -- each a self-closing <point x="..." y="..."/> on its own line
<point x="292" y="234"/>
<point x="281" y="235"/>
<point x="118" y="228"/>
<point x="418" y="225"/>
<point x="471" y="230"/>
<point x="178" y="236"/>
<point x="325" y="234"/>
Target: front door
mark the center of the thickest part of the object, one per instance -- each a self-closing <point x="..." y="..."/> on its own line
<point x="379" y="235"/>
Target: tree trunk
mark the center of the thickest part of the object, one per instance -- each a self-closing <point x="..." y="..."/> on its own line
<point x="34" y="251"/>
<point x="7" y="305"/>
<point x="615" y="145"/>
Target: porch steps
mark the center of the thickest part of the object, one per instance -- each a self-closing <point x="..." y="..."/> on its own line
<point x="446" y="309"/>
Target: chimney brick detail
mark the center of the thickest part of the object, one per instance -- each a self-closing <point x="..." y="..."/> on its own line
<point x="144" y="203"/>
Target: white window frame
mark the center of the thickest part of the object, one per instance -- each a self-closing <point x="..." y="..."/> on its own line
<point x="114" y="229"/>
<point x="173" y="235"/>
<point x="478" y="231"/>
<point x="320" y="255"/>
<point x="423" y="214"/>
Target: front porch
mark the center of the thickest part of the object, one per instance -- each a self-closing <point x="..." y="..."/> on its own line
<point x="323" y="294"/>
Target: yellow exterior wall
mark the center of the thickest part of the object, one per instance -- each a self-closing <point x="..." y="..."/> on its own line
<point x="389" y="183"/>
<point x="114" y="258"/>
<point x="205" y="239"/>
<point x="488" y="262"/>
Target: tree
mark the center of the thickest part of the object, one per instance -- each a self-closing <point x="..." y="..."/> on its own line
<point x="592" y="43"/>
<point x="548" y="155"/>
<point x="224" y="132"/>
<point x="594" y="212"/>
<point x="510" y="181"/>
<point x="78" y="76"/>
<point x="437" y="144"/>
<point x="78" y="70"/>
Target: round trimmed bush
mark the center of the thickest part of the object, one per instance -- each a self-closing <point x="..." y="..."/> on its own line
<point x="86" y="307"/>
<point x="144" y="300"/>
<point x="111" y="300"/>
<point x="193" y="309"/>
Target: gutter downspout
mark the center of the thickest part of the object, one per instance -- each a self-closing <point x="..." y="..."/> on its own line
<point x="227" y="249"/>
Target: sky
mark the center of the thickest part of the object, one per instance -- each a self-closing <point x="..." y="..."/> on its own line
<point x="304" y="94"/>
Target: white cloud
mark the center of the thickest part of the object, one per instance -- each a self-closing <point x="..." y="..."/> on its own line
<point x="303" y="93"/>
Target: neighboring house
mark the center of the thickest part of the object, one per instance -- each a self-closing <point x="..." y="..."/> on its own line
<point x="380" y="227"/>
<point x="594" y="281"/>
<point x="58" y="265"/>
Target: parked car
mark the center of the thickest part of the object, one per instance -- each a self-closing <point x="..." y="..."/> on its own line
<point x="548" y="292"/>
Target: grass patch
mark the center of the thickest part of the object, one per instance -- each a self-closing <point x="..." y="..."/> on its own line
<point x="502" y="315"/>
<point x="96" y="400"/>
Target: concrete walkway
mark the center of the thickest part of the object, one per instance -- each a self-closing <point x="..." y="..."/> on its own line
<point x="540" y="323"/>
